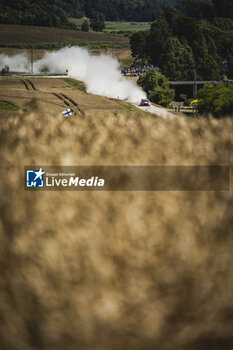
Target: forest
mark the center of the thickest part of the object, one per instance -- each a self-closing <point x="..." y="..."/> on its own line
<point x="187" y="44"/>
<point x="33" y="12"/>
<point x="55" y="13"/>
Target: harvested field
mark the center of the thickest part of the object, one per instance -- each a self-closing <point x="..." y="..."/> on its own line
<point x="51" y="96"/>
<point x="16" y="34"/>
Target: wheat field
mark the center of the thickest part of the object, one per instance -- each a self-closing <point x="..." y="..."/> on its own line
<point x="52" y="96"/>
<point x="114" y="270"/>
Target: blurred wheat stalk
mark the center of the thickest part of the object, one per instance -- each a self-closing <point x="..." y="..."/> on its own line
<point x="114" y="270"/>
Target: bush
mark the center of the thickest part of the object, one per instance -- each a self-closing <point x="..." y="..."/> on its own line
<point x="157" y="87"/>
<point x="85" y="26"/>
<point x="216" y="99"/>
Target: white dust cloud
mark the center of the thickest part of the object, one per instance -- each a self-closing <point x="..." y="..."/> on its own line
<point x="101" y="74"/>
<point x="17" y="63"/>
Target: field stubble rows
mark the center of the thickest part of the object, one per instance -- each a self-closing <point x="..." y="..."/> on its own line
<point x="52" y="95"/>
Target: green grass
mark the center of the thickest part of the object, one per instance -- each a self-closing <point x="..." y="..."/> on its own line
<point x="76" y="84"/>
<point x="127" y="26"/>
<point x="77" y="21"/>
<point x="117" y="27"/>
<point x="6" y="106"/>
<point x="127" y="62"/>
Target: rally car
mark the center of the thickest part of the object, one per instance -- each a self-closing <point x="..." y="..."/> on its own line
<point x="145" y="102"/>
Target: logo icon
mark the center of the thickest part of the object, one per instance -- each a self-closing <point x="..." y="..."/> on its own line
<point x="35" y="178"/>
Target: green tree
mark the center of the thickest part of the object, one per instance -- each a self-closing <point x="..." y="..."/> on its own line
<point x="177" y="61"/>
<point x="229" y="70"/>
<point x="138" y="44"/>
<point x="208" y="62"/>
<point x="97" y="21"/>
<point x="157" y="87"/>
<point x="85" y="26"/>
<point x="224" y="8"/>
<point x="158" y="34"/>
<point x="216" y="99"/>
<point x="193" y="8"/>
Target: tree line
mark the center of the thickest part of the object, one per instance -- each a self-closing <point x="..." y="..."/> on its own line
<point x="186" y="47"/>
<point x="33" y="12"/>
<point x="55" y="13"/>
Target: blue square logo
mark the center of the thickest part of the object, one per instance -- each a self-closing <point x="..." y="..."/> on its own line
<point x="35" y="178"/>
